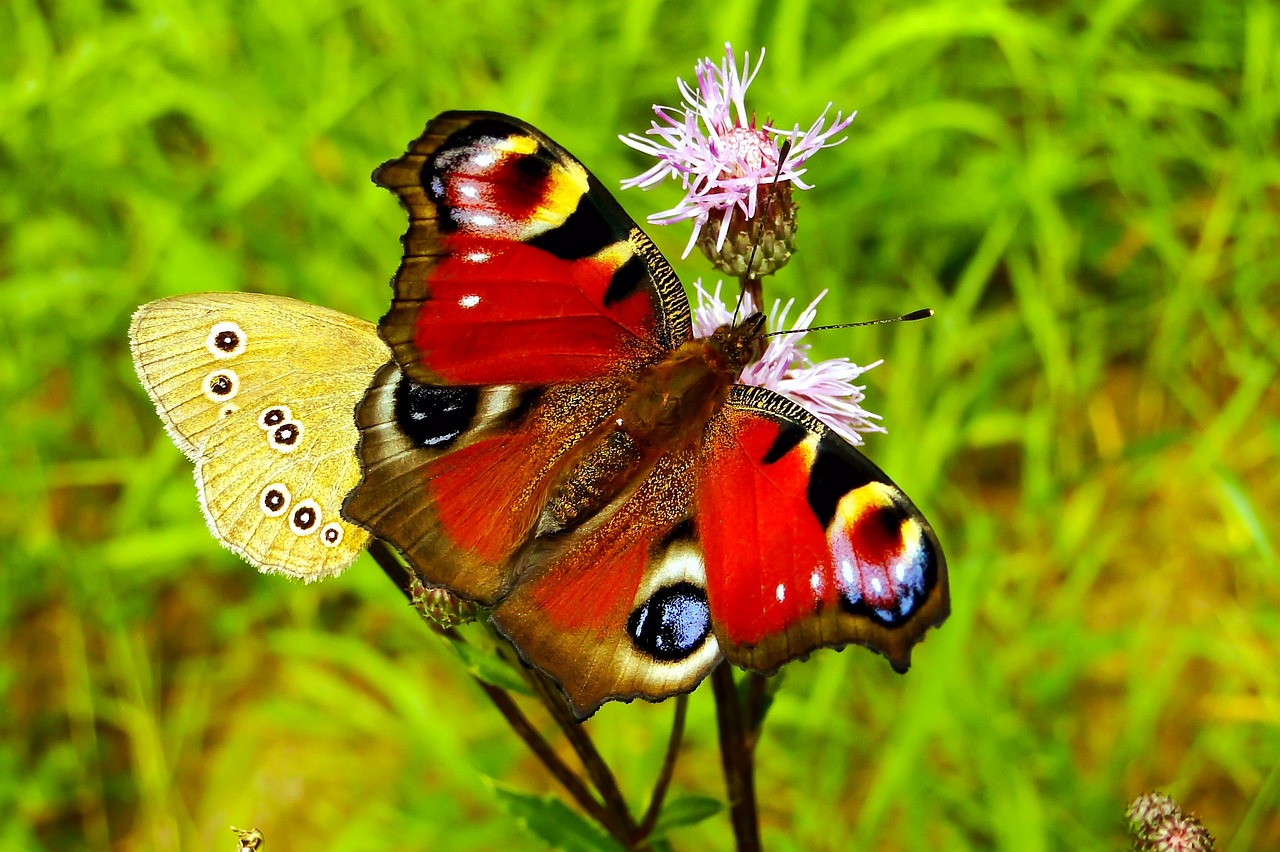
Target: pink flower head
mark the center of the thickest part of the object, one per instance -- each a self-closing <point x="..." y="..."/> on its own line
<point x="714" y="148"/>
<point x="825" y="388"/>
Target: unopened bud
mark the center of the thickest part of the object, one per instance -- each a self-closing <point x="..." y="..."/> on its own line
<point x="440" y="606"/>
<point x="1159" y="825"/>
<point x="771" y="234"/>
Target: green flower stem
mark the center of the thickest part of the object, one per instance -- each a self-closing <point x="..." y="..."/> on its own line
<point x="737" y="759"/>
<point x="621" y="824"/>
<point x="754" y="711"/>
<point x="401" y="575"/>
<point x="668" y="767"/>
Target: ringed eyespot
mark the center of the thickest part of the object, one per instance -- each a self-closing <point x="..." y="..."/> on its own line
<point x="672" y="624"/>
<point x="305" y="518"/>
<point x="221" y="385"/>
<point x="225" y="340"/>
<point x="273" y="416"/>
<point x="331" y="535"/>
<point x="274" y="500"/>
<point x="286" y="435"/>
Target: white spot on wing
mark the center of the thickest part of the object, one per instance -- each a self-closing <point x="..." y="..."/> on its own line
<point x="469" y="301"/>
<point x="780" y="593"/>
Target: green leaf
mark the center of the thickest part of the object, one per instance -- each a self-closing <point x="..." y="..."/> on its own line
<point x="554" y="822"/>
<point x="491" y="669"/>
<point x="686" y="810"/>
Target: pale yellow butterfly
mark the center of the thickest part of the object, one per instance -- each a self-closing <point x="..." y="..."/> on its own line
<point x="260" y="392"/>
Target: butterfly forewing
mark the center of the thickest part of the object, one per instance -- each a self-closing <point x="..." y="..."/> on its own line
<point x="260" y="392"/>
<point x="519" y="268"/>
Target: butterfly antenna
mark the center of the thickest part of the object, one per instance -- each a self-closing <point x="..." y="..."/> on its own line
<point x="748" y="279"/>
<point x="923" y="313"/>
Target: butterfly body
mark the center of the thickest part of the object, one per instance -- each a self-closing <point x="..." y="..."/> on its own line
<point x="552" y="441"/>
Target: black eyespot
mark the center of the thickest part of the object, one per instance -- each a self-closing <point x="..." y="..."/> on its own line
<point x="304" y="517"/>
<point x="286" y="434"/>
<point x="275" y="500"/>
<point x="672" y="624"/>
<point x="273" y="417"/>
<point x="331" y="534"/>
<point x="221" y="384"/>
<point x="225" y="340"/>
<point x="433" y="416"/>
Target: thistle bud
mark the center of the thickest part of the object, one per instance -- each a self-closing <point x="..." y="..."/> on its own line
<point x="440" y="607"/>
<point x="770" y="235"/>
<point x="1159" y="825"/>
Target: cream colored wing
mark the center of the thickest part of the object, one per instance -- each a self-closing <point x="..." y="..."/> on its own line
<point x="260" y="392"/>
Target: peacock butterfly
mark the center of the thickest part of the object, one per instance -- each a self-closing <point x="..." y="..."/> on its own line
<point x="550" y="440"/>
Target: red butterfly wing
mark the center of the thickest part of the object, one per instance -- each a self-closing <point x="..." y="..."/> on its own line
<point x="807" y="543"/>
<point x="519" y="267"/>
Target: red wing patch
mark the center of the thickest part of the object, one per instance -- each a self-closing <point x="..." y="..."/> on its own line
<point x="488" y="294"/>
<point x="769" y="562"/>
<point x="486" y="494"/>
<point x="621" y="611"/>
<point x="592" y="586"/>
<point x="455" y="478"/>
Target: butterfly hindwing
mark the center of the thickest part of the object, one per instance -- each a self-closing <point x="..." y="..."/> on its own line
<point x="619" y="609"/>
<point x="519" y="267"/>
<point x="807" y="543"/>
<point x="260" y="392"/>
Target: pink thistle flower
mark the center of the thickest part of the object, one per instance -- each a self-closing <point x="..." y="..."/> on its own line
<point x="825" y="388"/>
<point x="722" y="159"/>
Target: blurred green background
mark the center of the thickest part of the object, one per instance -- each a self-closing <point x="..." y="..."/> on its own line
<point x="1086" y="193"/>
